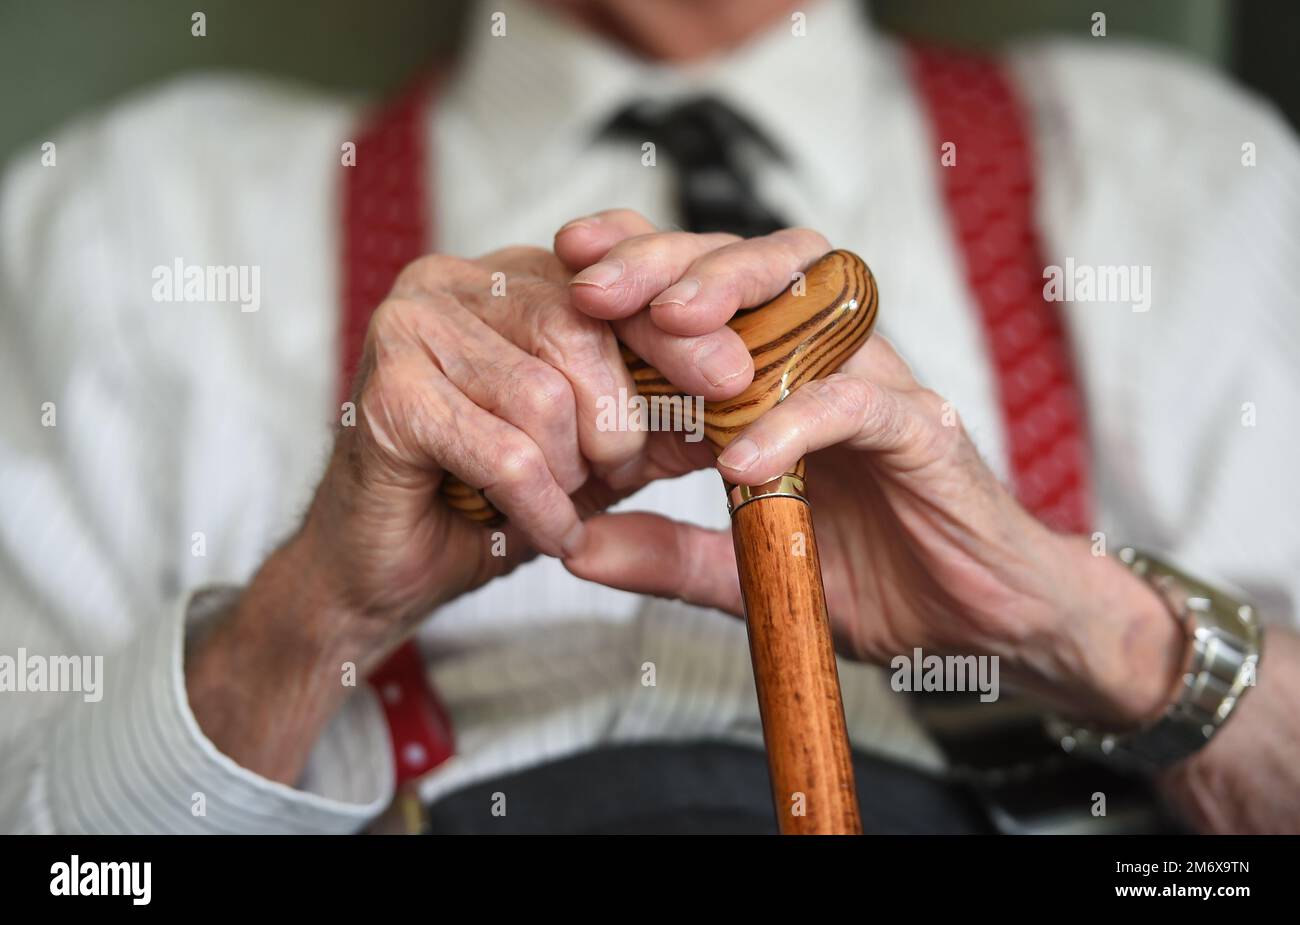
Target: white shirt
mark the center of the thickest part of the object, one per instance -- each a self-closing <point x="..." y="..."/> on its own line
<point x="178" y="422"/>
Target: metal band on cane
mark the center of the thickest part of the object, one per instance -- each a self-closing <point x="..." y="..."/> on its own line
<point x="787" y="486"/>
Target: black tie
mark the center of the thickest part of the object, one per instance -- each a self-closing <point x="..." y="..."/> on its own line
<point x="705" y="139"/>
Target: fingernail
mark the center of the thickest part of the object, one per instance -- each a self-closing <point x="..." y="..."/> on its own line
<point x="601" y="275"/>
<point x="571" y="545"/>
<point x="740" y="455"/>
<point x="719" y="364"/>
<point x="678" y="293"/>
<point x="585" y="222"/>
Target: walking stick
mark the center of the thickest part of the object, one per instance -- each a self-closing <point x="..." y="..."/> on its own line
<point x="801" y="335"/>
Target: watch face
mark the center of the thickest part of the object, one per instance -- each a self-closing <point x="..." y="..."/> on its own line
<point x="1222" y="663"/>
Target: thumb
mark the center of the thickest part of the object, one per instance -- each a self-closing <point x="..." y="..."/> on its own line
<point x="649" y="554"/>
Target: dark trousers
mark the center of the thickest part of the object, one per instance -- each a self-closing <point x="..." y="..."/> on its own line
<point x="692" y="788"/>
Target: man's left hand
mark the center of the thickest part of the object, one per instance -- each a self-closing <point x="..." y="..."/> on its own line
<point x="921" y="545"/>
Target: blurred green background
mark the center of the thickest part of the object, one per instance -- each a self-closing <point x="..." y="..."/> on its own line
<point x="59" y="57"/>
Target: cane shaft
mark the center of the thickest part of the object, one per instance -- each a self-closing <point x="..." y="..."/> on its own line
<point x="803" y="334"/>
<point x="794" y="668"/>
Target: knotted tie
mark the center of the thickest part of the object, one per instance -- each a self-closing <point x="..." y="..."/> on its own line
<point x="705" y="140"/>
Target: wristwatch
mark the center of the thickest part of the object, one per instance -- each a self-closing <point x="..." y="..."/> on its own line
<point x="1224" y="637"/>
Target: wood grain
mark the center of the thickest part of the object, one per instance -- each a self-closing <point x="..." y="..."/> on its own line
<point x="798" y="684"/>
<point x="801" y="335"/>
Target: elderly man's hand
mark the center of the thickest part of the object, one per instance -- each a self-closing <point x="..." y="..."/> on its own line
<point x="921" y="545"/>
<point x="483" y="369"/>
<point x="486" y="369"/>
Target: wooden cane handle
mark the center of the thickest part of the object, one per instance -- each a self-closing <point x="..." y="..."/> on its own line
<point x="802" y="334"/>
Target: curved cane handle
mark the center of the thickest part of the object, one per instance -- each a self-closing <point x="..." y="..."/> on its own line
<point x="804" y="333"/>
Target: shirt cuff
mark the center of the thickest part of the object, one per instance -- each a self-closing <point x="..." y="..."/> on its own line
<point x="138" y="762"/>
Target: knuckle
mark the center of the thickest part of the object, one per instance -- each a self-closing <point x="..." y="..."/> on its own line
<point x="576" y="349"/>
<point x="427" y="273"/>
<point x="663" y="245"/>
<point x="394" y="316"/>
<point x="946" y="431"/>
<point x="520" y="464"/>
<point x="615" y="453"/>
<point x="524" y="260"/>
<point x="845" y="396"/>
<point x="725" y="252"/>
<point x="542" y="391"/>
<point x="937" y="409"/>
<point x="400" y="322"/>
<point x="394" y="387"/>
<point x="389" y="406"/>
<point x="645" y="256"/>
<point x="930" y="398"/>
<point x="385" y="383"/>
<point x="525" y="253"/>
<point x="537" y="299"/>
<point x="635" y="245"/>
<point x="805" y="239"/>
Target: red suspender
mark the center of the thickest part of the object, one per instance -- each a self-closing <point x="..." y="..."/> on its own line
<point x="989" y="195"/>
<point x="384" y="229"/>
<point x="384" y="225"/>
<point x="990" y="199"/>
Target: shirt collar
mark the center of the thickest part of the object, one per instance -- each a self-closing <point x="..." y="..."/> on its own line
<point x="540" y="94"/>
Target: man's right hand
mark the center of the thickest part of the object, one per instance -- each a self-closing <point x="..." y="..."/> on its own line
<point x="505" y="391"/>
<point x="486" y="369"/>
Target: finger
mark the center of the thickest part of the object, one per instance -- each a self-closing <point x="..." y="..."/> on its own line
<point x="509" y="383"/>
<point x="837" y="409"/>
<point x="516" y="262"/>
<point x="522" y="488"/>
<point x="667" y="455"/>
<point x="741" y="275"/>
<point x="649" y="554"/>
<point x="538" y="318"/>
<point x="416" y="413"/>
<point x="637" y="269"/>
<point x="583" y="241"/>
<point x="715" y="365"/>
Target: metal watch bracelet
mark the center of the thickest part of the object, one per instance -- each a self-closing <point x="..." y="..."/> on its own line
<point x="1225" y="638"/>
